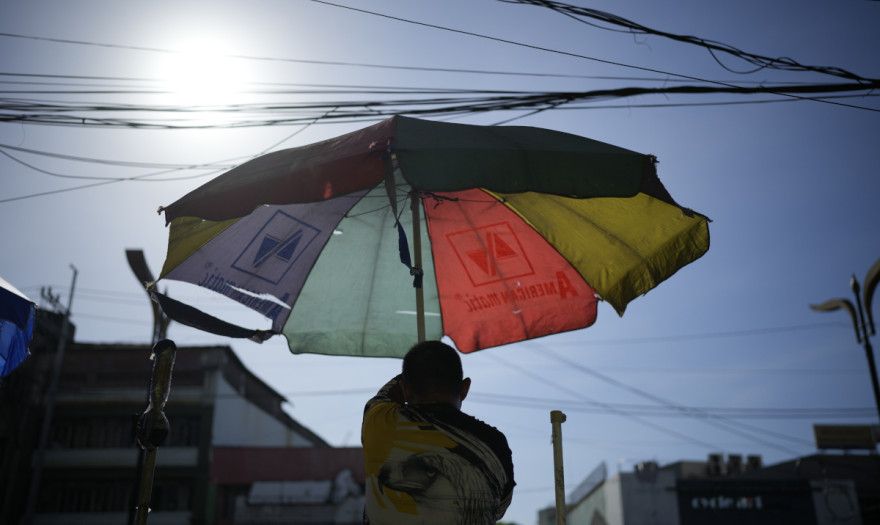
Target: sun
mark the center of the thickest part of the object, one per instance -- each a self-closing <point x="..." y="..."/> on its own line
<point x="202" y="73"/>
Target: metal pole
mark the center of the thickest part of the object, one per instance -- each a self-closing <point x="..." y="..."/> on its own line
<point x="51" y="393"/>
<point x="138" y="264"/>
<point x="870" y="354"/>
<point x="862" y="330"/>
<point x="417" y="258"/>
<point x="146" y="487"/>
<point x="557" y="418"/>
<point x="152" y="428"/>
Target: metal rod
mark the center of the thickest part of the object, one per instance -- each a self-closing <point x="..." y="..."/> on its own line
<point x="862" y="330"/>
<point x="869" y="353"/>
<point x="557" y="418"/>
<point x="153" y="427"/>
<point x="417" y="258"/>
<point x="136" y="488"/>
<point x="146" y="487"/>
<point x="49" y="409"/>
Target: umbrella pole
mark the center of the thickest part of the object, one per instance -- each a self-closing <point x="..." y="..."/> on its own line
<point x="417" y="253"/>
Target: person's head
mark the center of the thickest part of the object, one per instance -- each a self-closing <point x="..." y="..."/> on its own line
<point x="432" y="373"/>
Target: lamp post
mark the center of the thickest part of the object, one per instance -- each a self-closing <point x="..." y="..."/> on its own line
<point x="858" y="314"/>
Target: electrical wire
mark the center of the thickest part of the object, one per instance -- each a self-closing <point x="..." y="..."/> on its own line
<point x="124" y="163"/>
<point x="709" y="335"/>
<point x="361" y="110"/>
<point x="568" y="53"/>
<point x="663" y="411"/>
<point x="72" y="78"/>
<point x="140" y="177"/>
<point x="304" y="61"/>
<point x="716" y="421"/>
<point x="611" y="409"/>
<point x="760" y="62"/>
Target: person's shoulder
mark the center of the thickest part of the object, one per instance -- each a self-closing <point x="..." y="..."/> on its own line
<point x="486" y="427"/>
<point x="469" y="423"/>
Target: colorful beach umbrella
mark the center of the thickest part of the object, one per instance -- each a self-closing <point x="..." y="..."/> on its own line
<point x="521" y="231"/>
<point x="16" y="327"/>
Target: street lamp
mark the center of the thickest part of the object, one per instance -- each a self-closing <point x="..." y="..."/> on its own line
<point x="863" y="329"/>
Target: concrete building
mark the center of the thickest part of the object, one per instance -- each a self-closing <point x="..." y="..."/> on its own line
<point x="822" y="489"/>
<point x="267" y="486"/>
<point x="219" y="412"/>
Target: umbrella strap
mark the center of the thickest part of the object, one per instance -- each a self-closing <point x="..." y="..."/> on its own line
<point x="189" y="316"/>
<point x="391" y="166"/>
<point x="403" y="247"/>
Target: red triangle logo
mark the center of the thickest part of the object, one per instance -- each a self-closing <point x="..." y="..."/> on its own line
<point x="502" y="249"/>
<point x="481" y="259"/>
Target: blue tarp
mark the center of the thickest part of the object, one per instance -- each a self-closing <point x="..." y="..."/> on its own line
<point x="16" y="327"/>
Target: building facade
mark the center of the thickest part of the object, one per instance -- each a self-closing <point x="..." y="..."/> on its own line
<point x="217" y="410"/>
<point x="822" y="489"/>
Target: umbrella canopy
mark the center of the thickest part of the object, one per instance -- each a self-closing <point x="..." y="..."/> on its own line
<point x="16" y="327"/>
<point x="524" y="229"/>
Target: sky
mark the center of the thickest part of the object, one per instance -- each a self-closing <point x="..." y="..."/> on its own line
<point x="724" y="357"/>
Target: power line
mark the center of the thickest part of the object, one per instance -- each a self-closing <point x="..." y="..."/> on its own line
<point x="703" y="104"/>
<point x="610" y="408"/>
<point x="361" y="110"/>
<point x="334" y="88"/>
<point x="140" y="178"/>
<point x="103" y="181"/>
<point x="661" y="411"/>
<point x="736" y="371"/>
<point x="759" y="61"/>
<point x="709" y="335"/>
<point x="728" y="426"/>
<point x="304" y="61"/>
<point x="587" y="407"/>
<point x="681" y="76"/>
<point x="123" y="163"/>
<point x="571" y="54"/>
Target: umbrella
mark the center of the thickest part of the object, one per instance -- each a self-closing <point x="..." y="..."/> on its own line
<point x="520" y="231"/>
<point x="16" y="327"/>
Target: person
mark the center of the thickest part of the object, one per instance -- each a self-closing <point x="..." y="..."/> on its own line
<point x="427" y="462"/>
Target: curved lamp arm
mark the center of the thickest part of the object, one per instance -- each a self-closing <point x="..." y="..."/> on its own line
<point x="836" y="304"/>
<point x="871" y="281"/>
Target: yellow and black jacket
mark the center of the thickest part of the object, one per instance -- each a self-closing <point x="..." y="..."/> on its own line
<point x="432" y="464"/>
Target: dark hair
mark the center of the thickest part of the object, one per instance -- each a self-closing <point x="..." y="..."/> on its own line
<point x="432" y="367"/>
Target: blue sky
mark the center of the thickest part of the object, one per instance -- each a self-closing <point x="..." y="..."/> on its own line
<point x="791" y="188"/>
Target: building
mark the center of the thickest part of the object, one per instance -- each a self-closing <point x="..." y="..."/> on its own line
<point x="219" y="413"/>
<point x="821" y="489"/>
<point x="267" y="486"/>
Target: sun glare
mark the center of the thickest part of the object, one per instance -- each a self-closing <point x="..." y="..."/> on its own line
<point x="202" y="73"/>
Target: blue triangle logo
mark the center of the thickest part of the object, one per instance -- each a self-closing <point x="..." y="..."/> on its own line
<point x="266" y="248"/>
<point x="286" y="252"/>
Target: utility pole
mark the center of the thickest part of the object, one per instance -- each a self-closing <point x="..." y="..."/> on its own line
<point x="49" y="408"/>
<point x="864" y="329"/>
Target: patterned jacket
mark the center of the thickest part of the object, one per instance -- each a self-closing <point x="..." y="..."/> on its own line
<point x="432" y="464"/>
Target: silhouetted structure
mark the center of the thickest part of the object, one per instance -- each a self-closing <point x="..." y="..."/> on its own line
<point x="821" y="489"/>
<point x="218" y="410"/>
